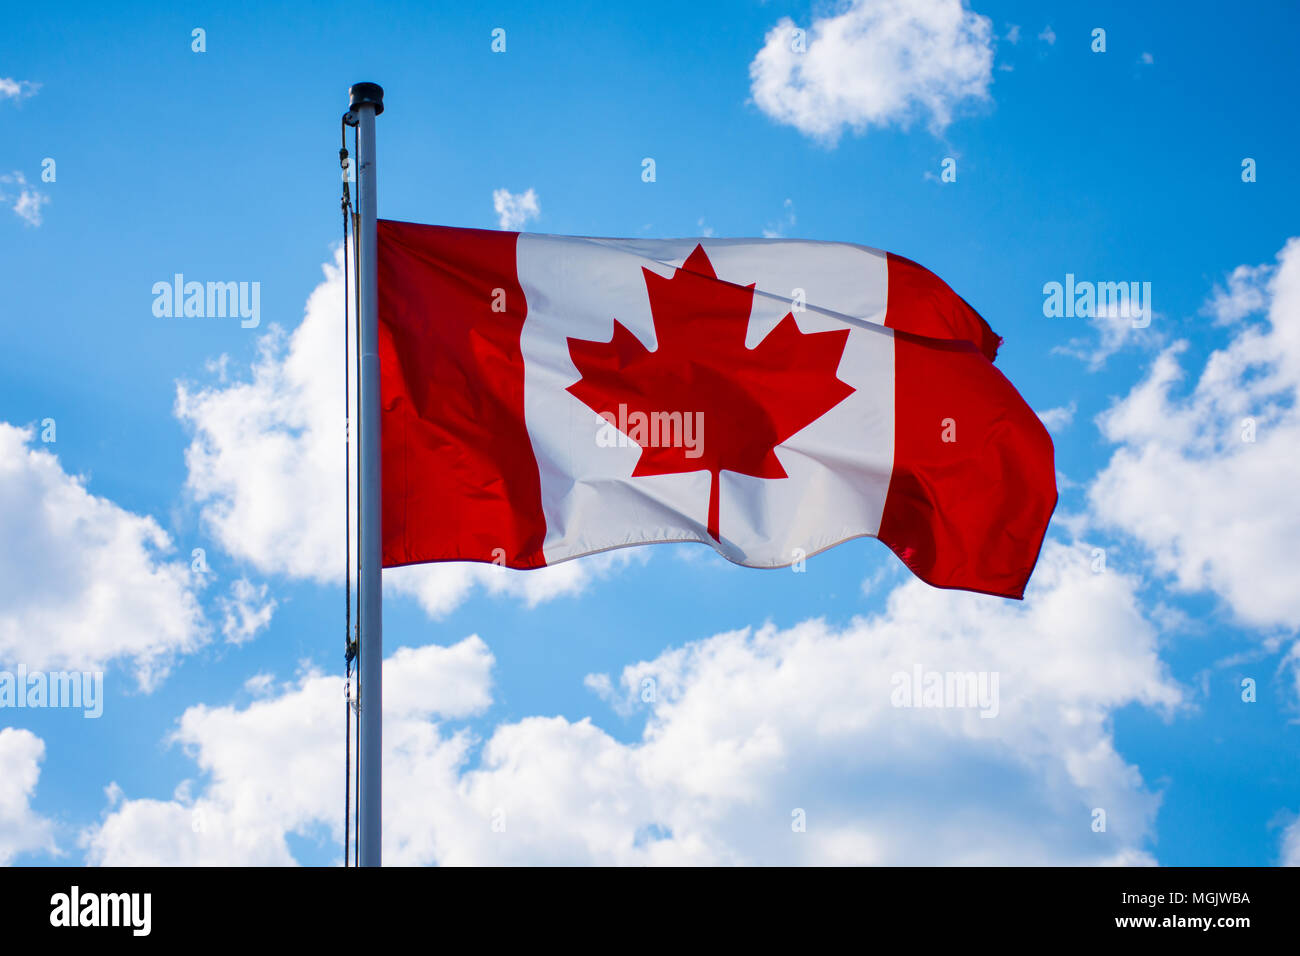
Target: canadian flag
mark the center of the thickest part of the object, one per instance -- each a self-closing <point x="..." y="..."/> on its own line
<point x="547" y="397"/>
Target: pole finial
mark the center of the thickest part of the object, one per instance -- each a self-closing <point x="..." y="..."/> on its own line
<point x="368" y="94"/>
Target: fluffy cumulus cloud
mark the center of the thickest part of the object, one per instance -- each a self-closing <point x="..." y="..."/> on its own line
<point x="515" y="210"/>
<point x="22" y="830"/>
<point x="760" y="746"/>
<point x="273" y="767"/>
<point x="265" y="466"/>
<point x="1204" y="474"/>
<point x="874" y="63"/>
<point x="84" y="582"/>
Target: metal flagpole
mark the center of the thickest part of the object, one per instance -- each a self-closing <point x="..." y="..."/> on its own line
<point x="367" y="102"/>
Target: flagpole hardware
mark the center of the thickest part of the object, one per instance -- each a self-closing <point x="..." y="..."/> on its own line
<point x="366" y="94"/>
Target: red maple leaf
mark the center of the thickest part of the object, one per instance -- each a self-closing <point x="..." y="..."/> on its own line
<point x="748" y="400"/>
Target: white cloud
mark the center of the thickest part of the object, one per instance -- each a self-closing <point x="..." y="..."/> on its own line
<point x="1116" y="327"/>
<point x="17" y="90"/>
<point x="515" y="210"/>
<point x="1291" y="845"/>
<point x="1013" y="34"/>
<point x="22" y="830"/>
<point x="874" y="63"/>
<point x="439" y="588"/>
<point x="1058" y="419"/>
<point x="1217" y="510"/>
<point x="245" y="611"/>
<point x="27" y="201"/>
<point x="82" y="581"/>
<point x="1247" y="293"/>
<point x="275" y="766"/>
<point x="745" y="727"/>
<point x="1048" y="35"/>
<point x="259" y="685"/>
<point x="266" y="468"/>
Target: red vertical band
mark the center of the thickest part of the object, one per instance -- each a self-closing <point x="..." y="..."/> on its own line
<point x="460" y="478"/>
<point x="974" y="479"/>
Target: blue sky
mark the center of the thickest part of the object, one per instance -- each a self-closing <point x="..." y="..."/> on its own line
<point x="1122" y="689"/>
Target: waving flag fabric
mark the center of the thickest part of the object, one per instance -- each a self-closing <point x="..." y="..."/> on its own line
<point x="547" y="397"/>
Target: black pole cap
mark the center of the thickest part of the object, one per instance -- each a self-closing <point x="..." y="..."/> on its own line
<point x="363" y="94"/>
